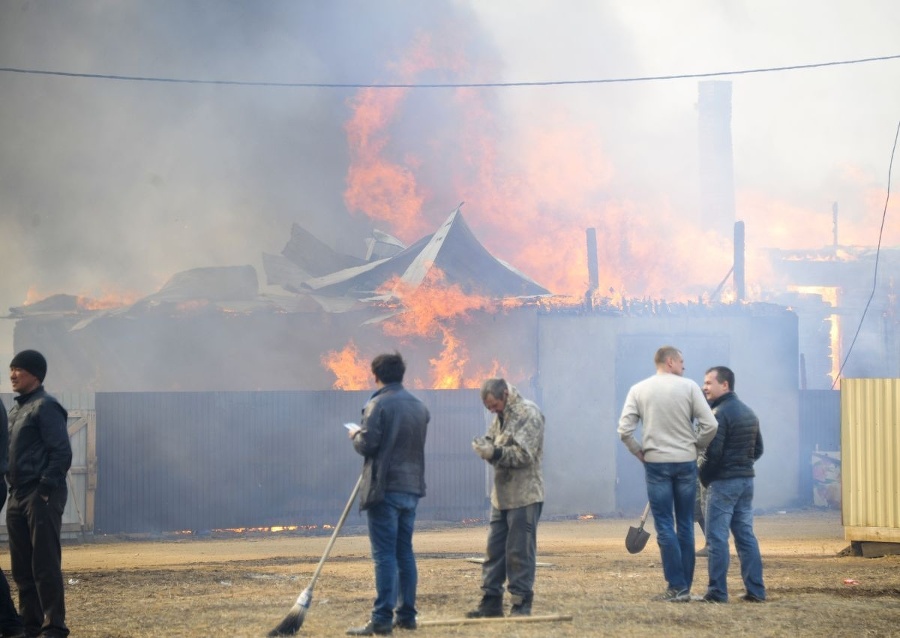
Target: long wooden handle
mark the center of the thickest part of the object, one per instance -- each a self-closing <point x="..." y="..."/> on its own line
<point x="484" y="621"/>
<point x="337" y="529"/>
<point x="646" y="512"/>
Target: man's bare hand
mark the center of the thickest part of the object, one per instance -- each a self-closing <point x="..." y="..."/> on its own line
<point x="483" y="448"/>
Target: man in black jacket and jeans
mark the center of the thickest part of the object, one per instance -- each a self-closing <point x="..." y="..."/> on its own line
<point x="39" y="458"/>
<point x="728" y="475"/>
<point x="10" y="621"/>
<point x="391" y="438"/>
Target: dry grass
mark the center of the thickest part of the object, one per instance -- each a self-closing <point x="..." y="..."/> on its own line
<point x="244" y="586"/>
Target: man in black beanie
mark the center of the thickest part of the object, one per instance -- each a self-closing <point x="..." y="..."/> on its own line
<point x="10" y="621"/>
<point x="40" y="455"/>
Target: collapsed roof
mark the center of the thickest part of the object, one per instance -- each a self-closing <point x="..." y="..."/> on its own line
<point x="452" y="249"/>
<point x="322" y="278"/>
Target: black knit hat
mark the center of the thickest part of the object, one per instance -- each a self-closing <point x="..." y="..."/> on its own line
<point x="32" y="361"/>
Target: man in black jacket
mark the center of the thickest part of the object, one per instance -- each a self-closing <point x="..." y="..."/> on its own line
<point x="728" y="475"/>
<point x="39" y="458"/>
<point x="391" y="438"/>
<point x="10" y="621"/>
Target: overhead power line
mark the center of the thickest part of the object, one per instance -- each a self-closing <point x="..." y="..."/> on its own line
<point x="447" y="85"/>
<point x="862" y="318"/>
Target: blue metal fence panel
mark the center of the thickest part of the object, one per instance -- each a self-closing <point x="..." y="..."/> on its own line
<point x="224" y="460"/>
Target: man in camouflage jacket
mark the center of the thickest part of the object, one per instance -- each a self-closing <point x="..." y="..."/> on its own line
<point x="514" y="446"/>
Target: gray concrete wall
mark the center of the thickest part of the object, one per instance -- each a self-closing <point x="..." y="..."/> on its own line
<point x="582" y="358"/>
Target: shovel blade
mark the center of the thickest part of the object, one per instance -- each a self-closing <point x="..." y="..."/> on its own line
<point x="636" y="539"/>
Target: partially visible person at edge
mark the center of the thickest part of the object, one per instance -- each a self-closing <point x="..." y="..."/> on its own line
<point x="391" y="438"/>
<point x="667" y="404"/>
<point x="514" y="446"/>
<point x="699" y="513"/>
<point x="727" y="473"/>
<point x="39" y="458"/>
<point x="10" y="622"/>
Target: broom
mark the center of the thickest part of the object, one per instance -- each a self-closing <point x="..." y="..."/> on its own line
<point x="294" y="620"/>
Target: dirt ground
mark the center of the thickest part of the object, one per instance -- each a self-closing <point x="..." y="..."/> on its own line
<point x="244" y="584"/>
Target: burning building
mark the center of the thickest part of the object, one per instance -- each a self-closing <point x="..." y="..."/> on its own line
<point x="446" y="301"/>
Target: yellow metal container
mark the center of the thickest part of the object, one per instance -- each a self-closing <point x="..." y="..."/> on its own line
<point x="870" y="459"/>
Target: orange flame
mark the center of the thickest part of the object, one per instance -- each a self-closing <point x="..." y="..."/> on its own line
<point x="530" y="214"/>
<point x="351" y="371"/>
<point x="829" y="295"/>
<point x="426" y="311"/>
<point x="382" y="188"/>
<point x="105" y="299"/>
<point x="430" y="305"/>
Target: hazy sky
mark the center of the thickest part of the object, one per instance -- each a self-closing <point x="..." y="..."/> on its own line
<point x="110" y="187"/>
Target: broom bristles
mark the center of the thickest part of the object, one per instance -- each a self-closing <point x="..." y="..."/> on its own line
<point x="291" y="623"/>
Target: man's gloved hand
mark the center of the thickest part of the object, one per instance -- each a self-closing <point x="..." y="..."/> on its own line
<point x="483" y="447"/>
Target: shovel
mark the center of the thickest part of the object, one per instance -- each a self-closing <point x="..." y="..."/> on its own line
<point x="637" y="537"/>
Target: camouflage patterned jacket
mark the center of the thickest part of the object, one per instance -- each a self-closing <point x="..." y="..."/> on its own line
<point x="519" y="435"/>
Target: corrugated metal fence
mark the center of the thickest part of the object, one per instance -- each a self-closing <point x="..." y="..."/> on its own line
<point x="220" y="460"/>
<point x="224" y="460"/>
<point x="870" y="463"/>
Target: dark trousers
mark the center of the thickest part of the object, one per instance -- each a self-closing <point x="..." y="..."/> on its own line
<point x="10" y="621"/>
<point x="512" y="552"/>
<point x="34" y="528"/>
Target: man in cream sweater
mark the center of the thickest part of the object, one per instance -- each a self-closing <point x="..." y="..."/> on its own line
<point x="667" y="404"/>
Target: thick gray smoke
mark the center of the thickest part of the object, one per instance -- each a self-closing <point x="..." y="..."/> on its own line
<point x="110" y="187"/>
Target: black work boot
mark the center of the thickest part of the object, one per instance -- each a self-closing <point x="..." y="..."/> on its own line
<point x="489" y="607"/>
<point x="521" y="605"/>
<point x="371" y="629"/>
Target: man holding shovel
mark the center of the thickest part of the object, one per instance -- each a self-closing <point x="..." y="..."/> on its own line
<point x="667" y="405"/>
<point x="514" y="446"/>
<point x="391" y="438"/>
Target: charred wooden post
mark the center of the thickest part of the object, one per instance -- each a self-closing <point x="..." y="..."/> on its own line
<point x="739" y="259"/>
<point x="593" y="267"/>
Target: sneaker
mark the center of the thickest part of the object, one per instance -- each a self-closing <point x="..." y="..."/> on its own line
<point x="675" y="596"/>
<point x="702" y="553"/>
<point x="370" y="629"/>
<point x="713" y="599"/>
<point x="750" y="598"/>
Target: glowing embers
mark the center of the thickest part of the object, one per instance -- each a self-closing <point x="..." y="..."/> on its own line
<point x="274" y="529"/>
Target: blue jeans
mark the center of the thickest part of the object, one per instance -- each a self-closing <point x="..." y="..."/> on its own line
<point x="391" y="525"/>
<point x="729" y="506"/>
<point x="672" y="487"/>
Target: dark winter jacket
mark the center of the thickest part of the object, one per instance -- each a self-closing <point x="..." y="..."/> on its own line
<point x="40" y="453"/>
<point x="738" y="442"/>
<point x="392" y="440"/>
<point x="4" y="441"/>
